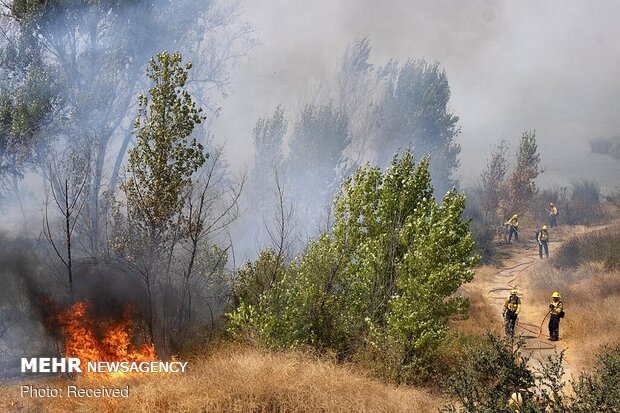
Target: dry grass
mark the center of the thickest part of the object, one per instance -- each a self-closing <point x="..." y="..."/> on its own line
<point x="591" y="297"/>
<point x="482" y="316"/>
<point x="243" y="380"/>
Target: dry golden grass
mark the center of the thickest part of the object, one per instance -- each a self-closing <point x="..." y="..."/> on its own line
<point x="242" y="380"/>
<point x="482" y="316"/>
<point x="591" y="297"/>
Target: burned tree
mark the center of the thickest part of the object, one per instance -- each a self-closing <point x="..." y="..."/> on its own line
<point x="67" y="183"/>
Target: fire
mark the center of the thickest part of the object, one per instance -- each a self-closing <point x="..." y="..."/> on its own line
<point x="93" y="340"/>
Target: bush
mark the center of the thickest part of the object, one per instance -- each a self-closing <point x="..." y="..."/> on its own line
<point x="492" y="370"/>
<point x="599" y="392"/>
<point x="584" y="205"/>
<point x="600" y="246"/>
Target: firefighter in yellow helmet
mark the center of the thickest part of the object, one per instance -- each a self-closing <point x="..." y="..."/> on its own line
<point x="556" y="311"/>
<point x="514" y="228"/>
<point x="512" y="308"/>
<point x="543" y="241"/>
<point x="553" y="215"/>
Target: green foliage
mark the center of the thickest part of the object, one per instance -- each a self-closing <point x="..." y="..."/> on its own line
<point x="164" y="159"/>
<point x="599" y="391"/>
<point x="258" y="277"/>
<point x="28" y="97"/>
<point x="492" y="370"/>
<point x="387" y="273"/>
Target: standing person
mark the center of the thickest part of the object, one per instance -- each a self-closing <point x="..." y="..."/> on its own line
<point x="514" y="228"/>
<point x="553" y="215"/>
<point x="556" y="309"/>
<point x="543" y="241"/>
<point x="512" y="308"/>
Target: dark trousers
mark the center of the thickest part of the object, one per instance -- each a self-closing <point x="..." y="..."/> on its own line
<point x="543" y="245"/>
<point x="513" y="231"/>
<point x="553" y="221"/>
<point x="554" y="327"/>
<point x="509" y="322"/>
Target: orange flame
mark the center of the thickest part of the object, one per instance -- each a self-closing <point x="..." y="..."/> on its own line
<point x="92" y="340"/>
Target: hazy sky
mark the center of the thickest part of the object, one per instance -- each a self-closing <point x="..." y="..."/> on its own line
<point x="512" y="65"/>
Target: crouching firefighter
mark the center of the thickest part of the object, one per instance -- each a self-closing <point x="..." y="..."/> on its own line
<point x="512" y="308"/>
<point x="556" y="311"/>
<point x="543" y="242"/>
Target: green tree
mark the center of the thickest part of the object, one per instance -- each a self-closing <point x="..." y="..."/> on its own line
<point x="386" y="273"/>
<point x="164" y="159"/>
<point x="160" y="170"/>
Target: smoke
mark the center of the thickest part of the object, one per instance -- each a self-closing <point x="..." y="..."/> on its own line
<point x="512" y="66"/>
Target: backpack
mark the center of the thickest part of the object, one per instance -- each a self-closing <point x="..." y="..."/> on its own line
<point x="561" y="315"/>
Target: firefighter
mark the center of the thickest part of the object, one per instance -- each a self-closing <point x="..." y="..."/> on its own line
<point x="512" y="308"/>
<point x="514" y="228"/>
<point x="553" y="215"/>
<point x="543" y="242"/>
<point x="556" y="311"/>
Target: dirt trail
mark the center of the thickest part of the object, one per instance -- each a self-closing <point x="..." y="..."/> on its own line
<point x="530" y="326"/>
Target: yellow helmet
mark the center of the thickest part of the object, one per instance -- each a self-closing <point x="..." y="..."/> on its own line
<point x="514" y="292"/>
<point x="544" y="227"/>
<point x="550" y="203"/>
<point x="515" y="216"/>
<point x="555" y="295"/>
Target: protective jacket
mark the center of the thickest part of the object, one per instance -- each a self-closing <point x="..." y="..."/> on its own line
<point x="543" y="236"/>
<point x="553" y="212"/>
<point x="513" y="221"/>
<point x="556" y="307"/>
<point x="513" y="305"/>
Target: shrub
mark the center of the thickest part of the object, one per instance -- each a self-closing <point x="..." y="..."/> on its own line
<point x="584" y="205"/>
<point x="492" y="370"/>
<point x="599" y="392"/>
<point x="600" y="246"/>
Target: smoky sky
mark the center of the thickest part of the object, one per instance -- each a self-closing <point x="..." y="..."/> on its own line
<point x="512" y="65"/>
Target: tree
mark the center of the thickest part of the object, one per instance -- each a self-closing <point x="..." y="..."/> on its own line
<point x="493" y="181"/>
<point x="387" y="273"/>
<point x="68" y="180"/>
<point x="521" y="186"/>
<point x="319" y="138"/>
<point x="92" y="53"/>
<point x="161" y="166"/>
<point x="415" y="115"/>
<point x="268" y="136"/>
<point x="27" y="100"/>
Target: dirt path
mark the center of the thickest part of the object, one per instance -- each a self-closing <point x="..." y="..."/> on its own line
<point x="530" y="326"/>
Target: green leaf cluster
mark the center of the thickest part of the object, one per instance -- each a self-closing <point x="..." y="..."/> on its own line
<point x="165" y="158"/>
<point x="385" y="276"/>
